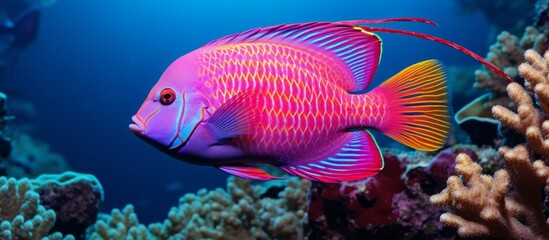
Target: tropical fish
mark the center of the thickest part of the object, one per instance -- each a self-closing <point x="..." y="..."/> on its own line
<point x="292" y="96"/>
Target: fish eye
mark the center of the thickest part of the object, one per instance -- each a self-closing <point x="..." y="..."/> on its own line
<point x="167" y="96"/>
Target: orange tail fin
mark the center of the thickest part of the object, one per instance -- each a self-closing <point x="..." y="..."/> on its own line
<point x="418" y="112"/>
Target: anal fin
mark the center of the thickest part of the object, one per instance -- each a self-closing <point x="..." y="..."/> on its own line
<point x="357" y="159"/>
<point x="247" y="172"/>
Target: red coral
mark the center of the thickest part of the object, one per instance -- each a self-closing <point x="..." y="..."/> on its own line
<point x="357" y="205"/>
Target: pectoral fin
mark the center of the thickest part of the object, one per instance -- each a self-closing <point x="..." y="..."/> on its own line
<point x="247" y="172"/>
<point x="236" y="117"/>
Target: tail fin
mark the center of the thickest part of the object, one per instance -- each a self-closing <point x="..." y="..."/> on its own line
<point x="418" y="112"/>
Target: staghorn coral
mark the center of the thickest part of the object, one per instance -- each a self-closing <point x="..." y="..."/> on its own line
<point x="21" y="215"/>
<point x="483" y="206"/>
<point x="240" y="212"/>
<point x="509" y="204"/>
<point x="530" y="121"/>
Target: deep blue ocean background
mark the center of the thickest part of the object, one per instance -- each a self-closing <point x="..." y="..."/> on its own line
<point x="94" y="62"/>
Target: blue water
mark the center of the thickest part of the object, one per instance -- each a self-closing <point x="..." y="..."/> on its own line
<point x="94" y="61"/>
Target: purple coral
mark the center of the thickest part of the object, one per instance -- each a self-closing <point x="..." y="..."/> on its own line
<point x="74" y="197"/>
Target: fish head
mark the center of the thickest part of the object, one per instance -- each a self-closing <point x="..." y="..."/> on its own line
<point x="173" y="109"/>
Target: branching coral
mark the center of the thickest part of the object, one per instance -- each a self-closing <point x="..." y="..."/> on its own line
<point x="530" y="121"/>
<point x="482" y="205"/>
<point x="509" y="204"/>
<point x="21" y="215"/>
<point x="119" y="225"/>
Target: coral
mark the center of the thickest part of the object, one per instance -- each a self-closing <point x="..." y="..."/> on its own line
<point x="74" y="197"/>
<point x="31" y="157"/>
<point x="390" y="205"/>
<point x="393" y="204"/>
<point x="509" y="204"/>
<point x="120" y="225"/>
<point x="236" y="213"/>
<point x="507" y="54"/>
<point x="483" y="206"/>
<point x="21" y="215"/>
<point x="225" y="214"/>
<point x="340" y="210"/>
<point x="530" y="121"/>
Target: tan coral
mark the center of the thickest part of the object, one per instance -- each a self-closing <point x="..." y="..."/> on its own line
<point x="508" y="205"/>
<point x="21" y="214"/>
<point x="482" y="206"/>
<point x="530" y="121"/>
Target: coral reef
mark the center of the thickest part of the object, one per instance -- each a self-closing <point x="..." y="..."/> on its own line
<point x="119" y="225"/>
<point x="31" y="157"/>
<point x="21" y="214"/>
<point x="240" y="212"/>
<point x="509" y="204"/>
<point x="392" y="204"/>
<point x="339" y="210"/>
<point x="483" y="206"/>
<point x="507" y="53"/>
<point x="74" y="197"/>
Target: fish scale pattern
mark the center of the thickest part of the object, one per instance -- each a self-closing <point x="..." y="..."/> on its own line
<point x="370" y="110"/>
<point x="302" y="97"/>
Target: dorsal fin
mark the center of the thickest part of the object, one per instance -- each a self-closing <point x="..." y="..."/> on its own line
<point x="359" y="50"/>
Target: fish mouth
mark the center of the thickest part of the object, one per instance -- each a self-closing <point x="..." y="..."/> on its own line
<point x="137" y="126"/>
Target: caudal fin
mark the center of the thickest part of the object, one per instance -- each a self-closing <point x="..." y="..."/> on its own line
<point x="418" y="112"/>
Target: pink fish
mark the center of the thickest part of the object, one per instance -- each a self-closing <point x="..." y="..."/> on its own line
<point x="289" y="96"/>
